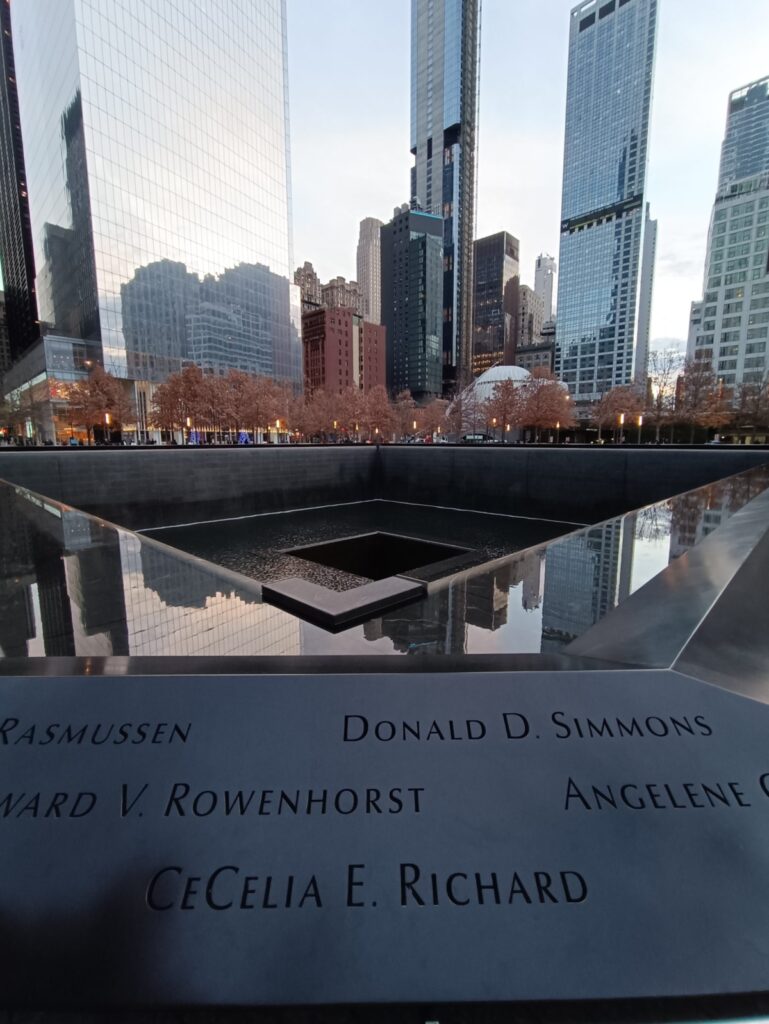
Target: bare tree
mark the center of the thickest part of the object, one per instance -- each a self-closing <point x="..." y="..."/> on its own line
<point x="702" y="400"/>
<point x="618" y="407"/>
<point x="664" y="369"/>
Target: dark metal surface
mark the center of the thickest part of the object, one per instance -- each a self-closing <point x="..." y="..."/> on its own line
<point x="496" y="785"/>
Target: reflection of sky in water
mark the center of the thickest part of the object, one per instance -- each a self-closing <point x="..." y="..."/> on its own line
<point x="70" y="585"/>
<point x="519" y="635"/>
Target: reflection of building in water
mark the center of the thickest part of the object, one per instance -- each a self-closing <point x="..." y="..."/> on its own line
<point x="95" y="588"/>
<point x="585" y="576"/>
<point x="17" y="621"/>
<point x="533" y="578"/>
<point x="435" y="625"/>
<point x="486" y="598"/>
<point x="174" y="606"/>
<point x="699" y="514"/>
<point x="438" y="625"/>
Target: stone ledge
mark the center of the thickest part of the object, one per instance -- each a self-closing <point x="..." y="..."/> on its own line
<point x="335" y="610"/>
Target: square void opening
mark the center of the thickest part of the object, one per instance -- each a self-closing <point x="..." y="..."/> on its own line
<point x="375" y="556"/>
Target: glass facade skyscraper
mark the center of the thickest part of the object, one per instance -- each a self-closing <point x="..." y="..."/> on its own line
<point x="496" y="301"/>
<point x="158" y="170"/>
<point x="412" y="291"/>
<point x="608" y="103"/>
<point x="15" y="235"/>
<point x="745" y="149"/>
<point x="445" y="38"/>
<point x="729" y="328"/>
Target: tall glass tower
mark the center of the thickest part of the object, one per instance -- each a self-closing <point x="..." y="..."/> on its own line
<point x="608" y="102"/>
<point x="158" y="172"/>
<point x="729" y="327"/>
<point x="745" y="149"/>
<point x="445" y="38"/>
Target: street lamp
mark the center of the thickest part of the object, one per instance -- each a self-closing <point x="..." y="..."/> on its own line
<point x="621" y="425"/>
<point x="189" y="430"/>
<point x="557" y="431"/>
<point x="640" y="424"/>
<point x="107" y="430"/>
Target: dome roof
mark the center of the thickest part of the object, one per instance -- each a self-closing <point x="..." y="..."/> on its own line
<point x="496" y="374"/>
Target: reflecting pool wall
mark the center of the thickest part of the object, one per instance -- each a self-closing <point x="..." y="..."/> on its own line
<point x="72" y="585"/>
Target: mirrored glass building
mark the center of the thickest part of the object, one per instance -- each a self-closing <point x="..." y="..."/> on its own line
<point x="608" y="103"/>
<point x="729" y="327"/>
<point x="158" y="170"/>
<point x="445" y="40"/>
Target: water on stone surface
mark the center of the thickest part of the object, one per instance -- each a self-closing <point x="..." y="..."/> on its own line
<point x="256" y="546"/>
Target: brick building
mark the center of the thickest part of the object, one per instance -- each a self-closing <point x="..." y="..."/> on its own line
<point x="341" y="350"/>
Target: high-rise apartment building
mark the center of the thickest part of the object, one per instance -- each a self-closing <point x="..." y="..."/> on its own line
<point x="495" y="301"/>
<point x="729" y="327"/>
<point x="171" y="181"/>
<point x="745" y="149"/>
<point x="412" y="295"/>
<point x="369" y="268"/>
<point x="544" y="281"/>
<point x="16" y="254"/>
<point x="608" y="103"/>
<point x="648" y="259"/>
<point x="445" y="38"/>
<point x="342" y="350"/>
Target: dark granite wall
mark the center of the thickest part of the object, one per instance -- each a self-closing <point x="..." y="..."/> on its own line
<point x="576" y="484"/>
<point x="145" y="488"/>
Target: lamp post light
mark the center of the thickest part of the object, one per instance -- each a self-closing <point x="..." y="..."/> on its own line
<point x="621" y="425"/>
<point x="640" y="424"/>
<point x="557" y="431"/>
<point x="189" y="431"/>
<point x="277" y="431"/>
<point x="507" y="431"/>
<point x="107" y="431"/>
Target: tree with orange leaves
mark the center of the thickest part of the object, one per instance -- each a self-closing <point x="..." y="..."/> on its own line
<point x="546" y="404"/>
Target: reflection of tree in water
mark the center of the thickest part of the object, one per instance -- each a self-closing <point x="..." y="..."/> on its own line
<point x="653" y="523"/>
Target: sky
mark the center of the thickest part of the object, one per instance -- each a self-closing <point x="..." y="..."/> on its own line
<point x="349" y="67"/>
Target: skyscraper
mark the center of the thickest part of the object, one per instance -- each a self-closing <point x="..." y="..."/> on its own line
<point x="16" y="256"/>
<point x="495" y="301"/>
<point x="412" y="292"/>
<point x="729" y="328"/>
<point x="369" y="268"/>
<point x="171" y="170"/>
<point x="445" y="36"/>
<point x="648" y="258"/>
<point x="745" y="149"/>
<point x="544" y="280"/>
<point x="608" y="103"/>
